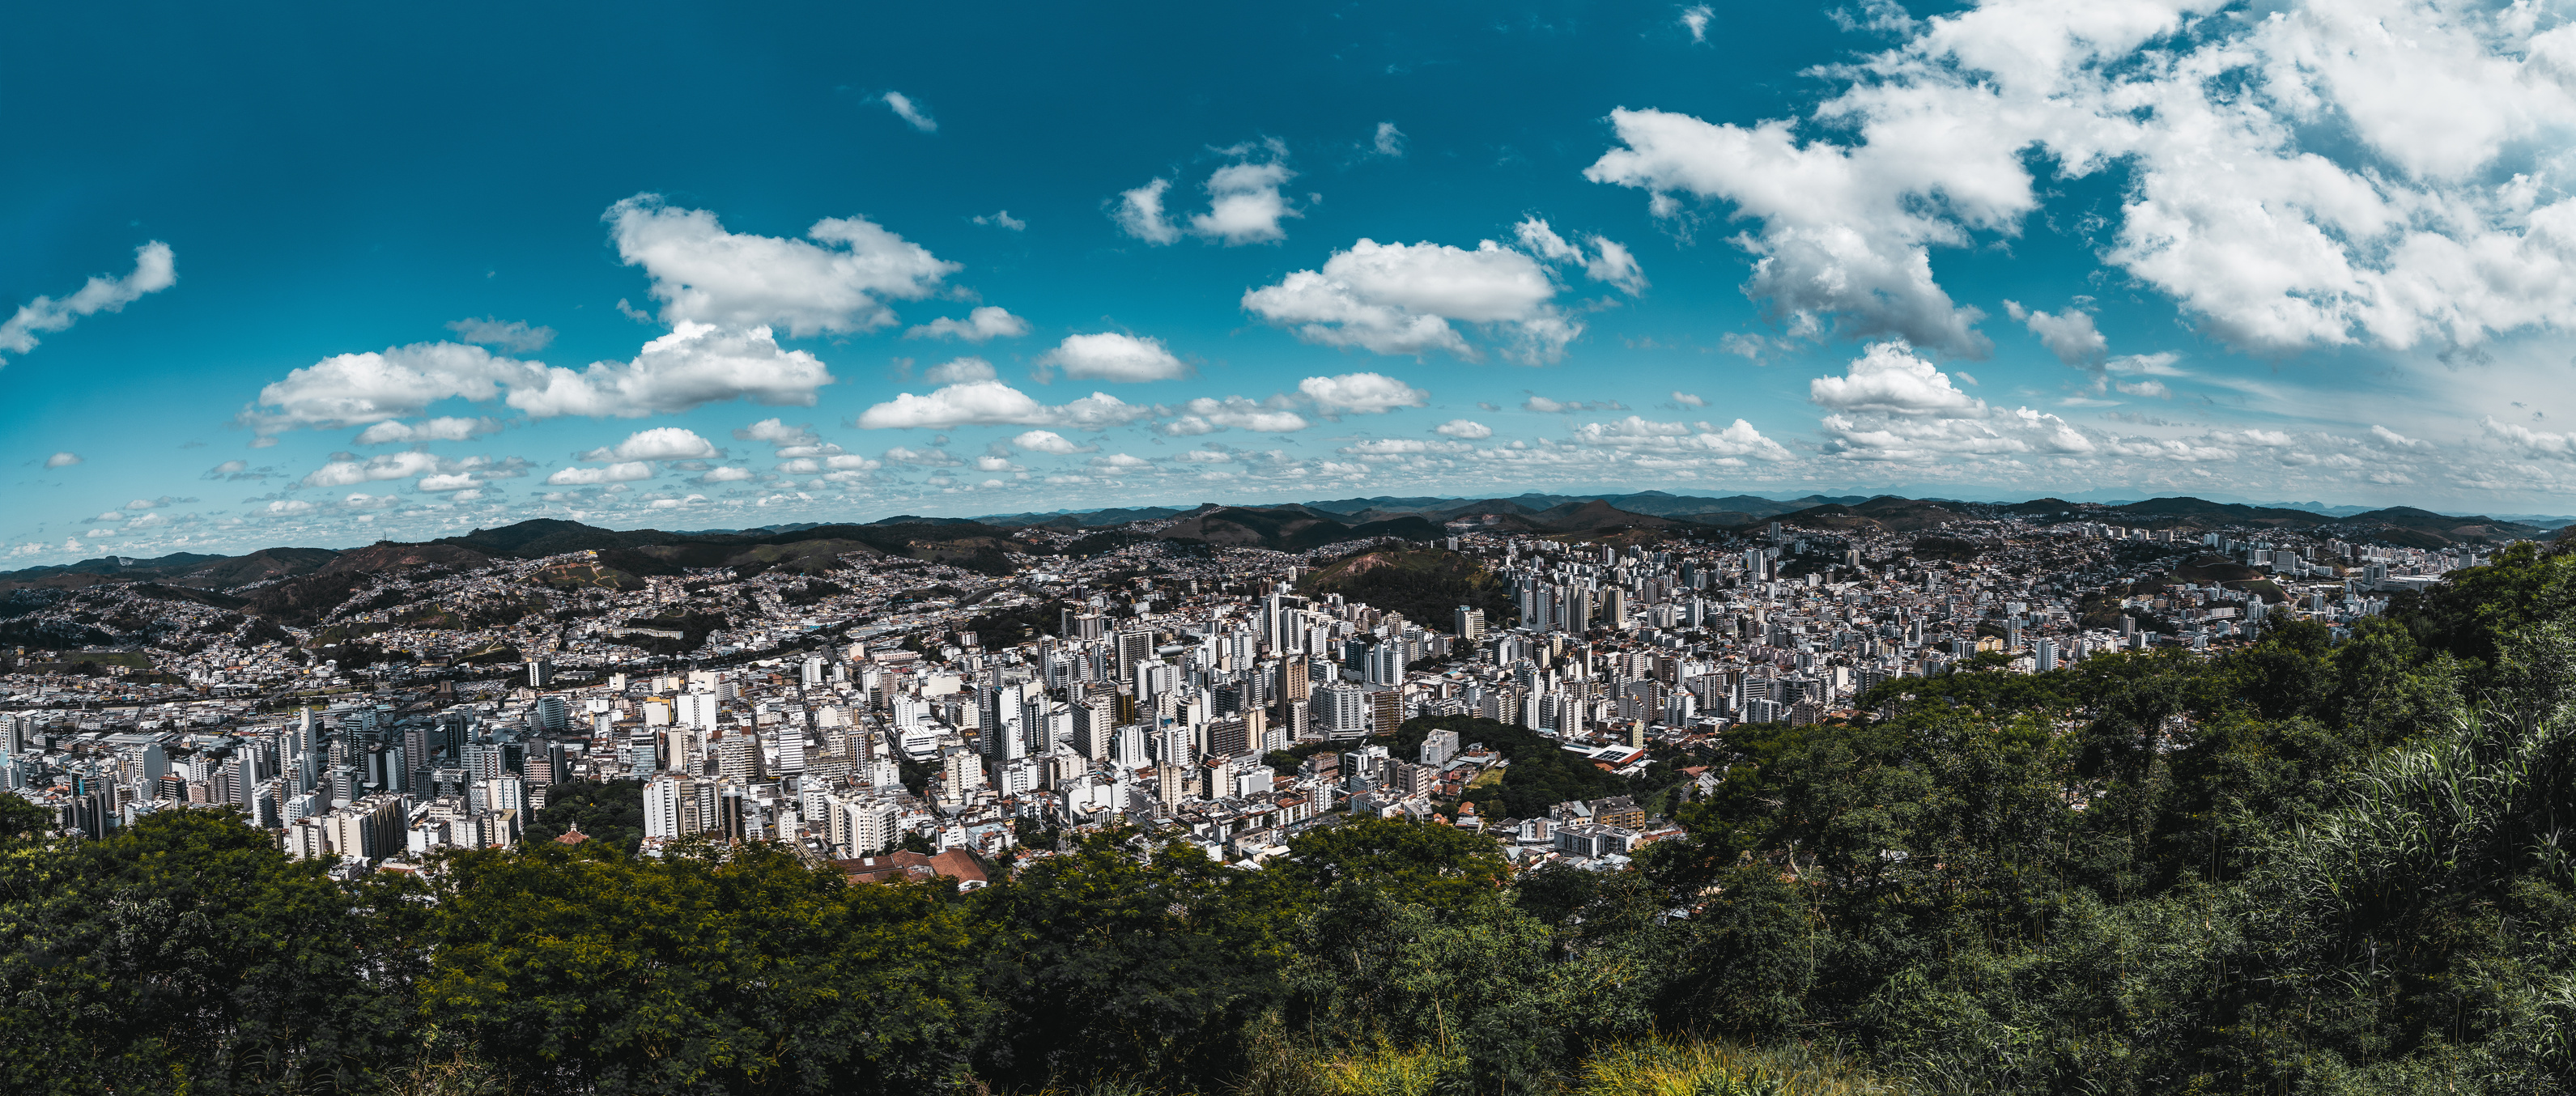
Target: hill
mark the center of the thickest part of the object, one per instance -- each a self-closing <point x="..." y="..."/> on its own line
<point x="1287" y="528"/>
<point x="1426" y="585"/>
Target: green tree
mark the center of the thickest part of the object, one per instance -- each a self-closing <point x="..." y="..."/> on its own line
<point x="580" y="969"/>
<point x="187" y="954"/>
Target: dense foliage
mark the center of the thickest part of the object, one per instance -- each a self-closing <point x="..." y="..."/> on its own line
<point x="612" y="811"/>
<point x="1426" y="585"/>
<point x="2320" y="865"/>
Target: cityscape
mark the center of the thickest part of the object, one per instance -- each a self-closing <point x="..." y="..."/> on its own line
<point x="865" y="708"/>
<point x="1516" y="548"/>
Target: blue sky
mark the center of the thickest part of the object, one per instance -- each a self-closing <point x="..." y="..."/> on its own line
<point x="323" y="276"/>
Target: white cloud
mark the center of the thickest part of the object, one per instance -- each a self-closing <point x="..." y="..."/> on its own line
<point x="1695" y="20"/>
<point x="725" y="475"/>
<point x="1840" y="233"/>
<point x="1048" y="441"/>
<point x="658" y="443"/>
<point x="1361" y="393"/>
<point x="62" y="460"/>
<point x="446" y="428"/>
<point x="348" y="471"/>
<point x="1892" y="405"/>
<point x="1727" y="446"/>
<point x="2355" y="171"/>
<point x="911" y="112"/>
<point x="925" y="458"/>
<point x="142" y="504"/>
<point x="1389" y="140"/>
<point x="626" y="472"/>
<point x="960" y="369"/>
<point x="279" y="508"/>
<point x="515" y="336"/>
<point x="1139" y="213"/>
<point x="450" y="481"/>
<point x="2153" y="388"/>
<point x="2069" y="334"/>
<point x="353" y="389"/>
<point x="1113" y="356"/>
<point x="1687" y="399"/>
<point x="1402" y="298"/>
<point x="1119" y="462"/>
<point x="981" y="325"/>
<point x="154" y="271"/>
<point x="1245" y="205"/>
<point x="1002" y="219"/>
<point x="776" y="432"/>
<point x="1546" y="406"/>
<point x="838" y="283"/>
<point x="992" y="403"/>
<point x="1466" y="429"/>
<point x="1207" y="416"/>
<point x="1889" y="379"/>
<point x="1608" y="261"/>
<point x="693" y="365"/>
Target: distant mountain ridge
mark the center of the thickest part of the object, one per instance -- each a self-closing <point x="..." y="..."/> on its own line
<point x="292" y="583"/>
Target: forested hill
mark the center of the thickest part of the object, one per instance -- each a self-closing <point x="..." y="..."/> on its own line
<point x="2304" y="867"/>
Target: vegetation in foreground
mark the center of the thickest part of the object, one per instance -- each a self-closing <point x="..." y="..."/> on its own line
<point x="2306" y="867"/>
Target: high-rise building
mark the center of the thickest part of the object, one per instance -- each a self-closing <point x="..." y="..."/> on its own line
<point x="1471" y="623"/>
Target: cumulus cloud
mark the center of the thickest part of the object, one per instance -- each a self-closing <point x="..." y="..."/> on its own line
<point x="1113" y="356"/>
<point x="838" y="283"/>
<point x="155" y="269"/>
<point x="1361" y="393"/>
<point x="1139" y="213"/>
<point x="911" y="112"/>
<point x="1892" y="405"/>
<point x="1687" y="399"/>
<point x="1120" y="462"/>
<point x="960" y="369"/>
<point x="992" y="403"/>
<point x="1890" y="379"/>
<point x="1546" y="406"/>
<point x="288" y="508"/>
<point x="1606" y="261"/>
<point x="1695" y="20"/>
<point x="1465" y="429"/>
<point x="1002" y="219"/>
<point x="371" y="387"/>
<point x="1048" y="441"/>
<point x="659" y="443"/>
<point x="1245" y="205"/>
<point x="2355" y="171"/>
<point x="514" y="336"/>
<point x="347" y="471"/>
<point x="1403" y="299"/>
<point x="1389" y="140"/>
<point x="1727" y="446"/>
<point x="695" y="364"/>
<point x="1207" y="416"/>
<point x="776" y="432"/>
<point x="62" y="460"/>
<point x="981" y="325"/>
<point x="624" y="472"/>
<point x="445" y="428"/>
<point x="724" y="475"/>
<point x="2069" y="334"/>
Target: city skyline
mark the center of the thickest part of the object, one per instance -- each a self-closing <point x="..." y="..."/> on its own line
<point x="283" y="284"/>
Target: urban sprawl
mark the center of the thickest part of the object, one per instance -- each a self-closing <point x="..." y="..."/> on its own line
<point x="863" y="719"/>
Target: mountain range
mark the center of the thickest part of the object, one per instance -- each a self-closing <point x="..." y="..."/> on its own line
<point x="294" y="584"/>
